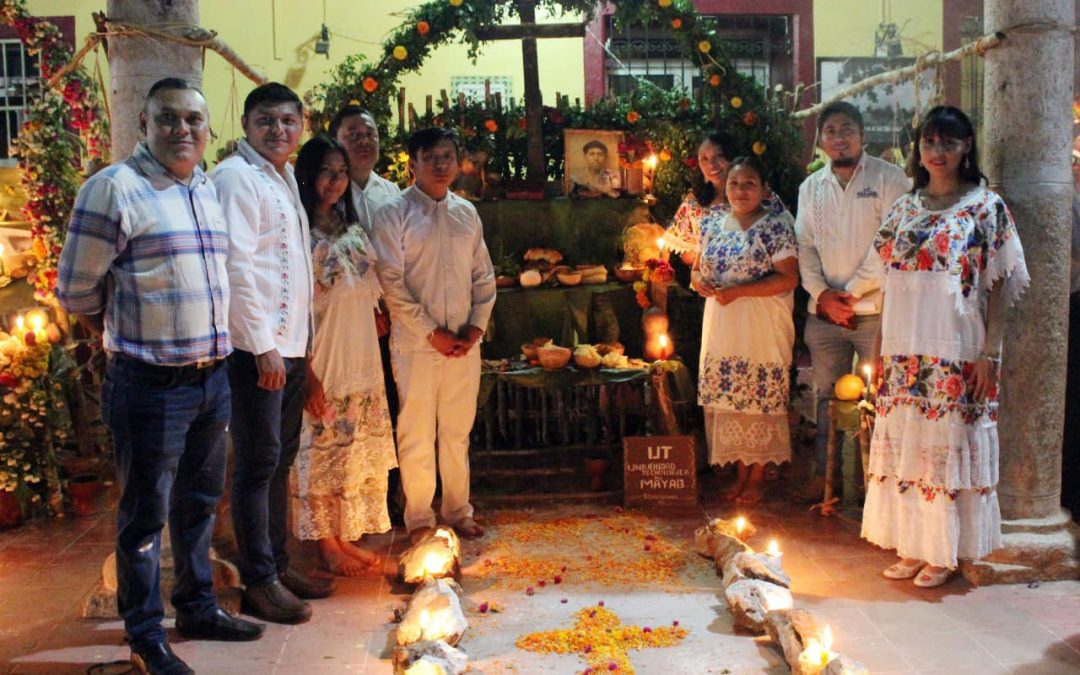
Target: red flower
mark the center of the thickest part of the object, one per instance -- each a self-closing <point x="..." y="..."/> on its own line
<point x="924" y="261"/>
<point x="690" y="162"/>
<point x="886" y="251"/>
<point x="8" y="380"/>
<point x="941" y="242"/>
<point x="954" y="386"/>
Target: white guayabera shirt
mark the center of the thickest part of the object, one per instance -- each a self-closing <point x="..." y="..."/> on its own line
<point x="434" y="267"/>
<point x="835" y="228"/>
<point x="371" y="198"/>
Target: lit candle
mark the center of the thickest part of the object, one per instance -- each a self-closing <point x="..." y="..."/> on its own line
<point x="740" y="525"/>
<point x="773" y="554"/>
<point x="37" y="319"/>
<point x="816" y="655"/>
<point x="20" y="326"/>
<point x="665" y="346"/>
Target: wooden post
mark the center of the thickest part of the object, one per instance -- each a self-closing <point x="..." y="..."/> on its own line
<point x="487" y="92"/>
<point x="401" y="109"/>
<point x="444" y="99"/>
<point x="412" y="117"/>
<point x="498" y="101"/>
<point x="534" y="125"/>
<point x="427" y="104"/>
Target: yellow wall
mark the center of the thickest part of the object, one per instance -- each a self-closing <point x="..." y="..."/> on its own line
<point x="846" y="27"/>
<point x="286" y="53"/>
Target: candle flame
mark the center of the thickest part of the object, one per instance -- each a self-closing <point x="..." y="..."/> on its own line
<point x="826" y="638"/>
<point x="20" y="323"/>
<point x="774" y="548"/>
<point x="868" y="369"/>
<point x="650" y="162"/>
<point x="37" y="321"/>
<point x="660" y="244"/>
<point x="664" y="340"/>
<point x="740" y="524"/>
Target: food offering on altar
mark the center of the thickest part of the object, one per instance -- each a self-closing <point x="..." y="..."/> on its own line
<point x="506" y="272"/>
<point x="641" y="243"/>
<point x="587" y="357"/>
<point x="529" y="350"/>
<point x="543" y="260"/>
<point x="553" y="357"/>
<point x="593" y="274"/>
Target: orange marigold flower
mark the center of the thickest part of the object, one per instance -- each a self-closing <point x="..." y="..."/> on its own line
<point x="370" y="84"/>
<point x="423" y="27"/>
<point x="491" y="125"/>
<point x="632" y="117"/>
<point x="665" y="155"/>
<point x="676" y="23"/>
<point x="736" y="102"/>
<point x="714" y="80"/>
<point x="749" y="118"/>
<point x="400" y="53"/>
<point x="704" y="46"/>
<point x="759" y="147"/>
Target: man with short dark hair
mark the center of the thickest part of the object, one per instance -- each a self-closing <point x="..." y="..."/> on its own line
<point x="595" y="179"/>
<point x="439" y="284"/>
<point x="270" y="275"/>
<point x="144" y="268"/>
<point x="840" y="210"/>
<point x="355" y="128"/>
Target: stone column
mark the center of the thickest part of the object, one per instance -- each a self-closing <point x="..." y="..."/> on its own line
<point x="1028" y="104"/>
<point x="135" y="63"/>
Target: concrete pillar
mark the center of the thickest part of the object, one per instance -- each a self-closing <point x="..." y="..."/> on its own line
<point x="135" y="63"/>
<point x="1029" y="89"/>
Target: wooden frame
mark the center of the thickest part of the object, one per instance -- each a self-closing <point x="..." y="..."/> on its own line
<point x="577" y="177"/>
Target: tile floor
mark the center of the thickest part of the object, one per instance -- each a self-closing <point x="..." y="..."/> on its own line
<point x="47" y="567"/>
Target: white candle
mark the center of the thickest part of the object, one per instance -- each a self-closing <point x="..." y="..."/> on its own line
<point x="775" y="557"/>
<point x="869" y="370"/>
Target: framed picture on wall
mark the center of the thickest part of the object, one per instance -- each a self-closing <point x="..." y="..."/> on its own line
<point x="887" y="109"/>
<point x="592" y="163"/>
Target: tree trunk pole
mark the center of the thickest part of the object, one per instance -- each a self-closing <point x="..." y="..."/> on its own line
<point x="135" y="63"/>
<point x="1029" y="89"/>
<point x="534" y="111"/>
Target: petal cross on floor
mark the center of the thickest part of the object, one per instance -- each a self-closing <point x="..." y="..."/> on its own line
<point x="601" y="638"/>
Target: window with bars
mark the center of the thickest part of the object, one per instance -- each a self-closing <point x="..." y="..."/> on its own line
<point x="20" y="81"/>
<point x="758" y="46"/>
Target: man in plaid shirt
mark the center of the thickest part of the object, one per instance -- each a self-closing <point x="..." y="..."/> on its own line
<point x="144" y="268"/>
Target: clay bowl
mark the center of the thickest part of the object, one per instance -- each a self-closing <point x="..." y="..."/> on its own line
<point x="628" y="274"/>
<point x="554" y="358"/>
<point x="529" y="349"/>
<point x="569" y="278"/>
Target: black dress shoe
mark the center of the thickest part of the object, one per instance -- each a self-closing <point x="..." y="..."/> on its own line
<point x="219" y="626"/>
<point x="158" y="660"/>
<point x="273" y="602"/>
<point x="305" y="587"/>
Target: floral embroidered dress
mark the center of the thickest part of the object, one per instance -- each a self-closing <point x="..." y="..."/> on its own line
<point x="685" y="229"/>
<point x="340" y="474"/>
<point x="934" y="454"/>
<point x="746" y="344"/>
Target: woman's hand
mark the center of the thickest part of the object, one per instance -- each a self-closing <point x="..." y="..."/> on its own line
<point x="983" y="378"/>
<point x="315" y="403"/>
<point x="725" y="295"/>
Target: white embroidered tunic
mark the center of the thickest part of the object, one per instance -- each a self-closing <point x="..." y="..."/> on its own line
<point x="269" y="262"/>
<point x="743" y="379"/>
<point x="934" y="453"/>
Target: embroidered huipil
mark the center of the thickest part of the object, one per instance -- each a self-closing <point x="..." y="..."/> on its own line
<point x="149" y="252"/>
<point x="371" y="198"/>
<point x="746" y="344"/>
<point x="269" y="264"/>
<point x="685" y="230"/>
<point x="934" y="453"/>
<point x="340" y="475"/>
<point x="836" y="225"/>
<point x="434" y="267"/>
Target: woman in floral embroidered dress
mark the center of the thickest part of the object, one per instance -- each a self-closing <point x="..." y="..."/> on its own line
<point x="748" y="271"/>
<point x="953" y="266"/>
<point x="707" y="196"/>
<point x="347" y="447"/>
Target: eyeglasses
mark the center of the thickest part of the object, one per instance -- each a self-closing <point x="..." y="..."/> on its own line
<point x="942" y="145"/>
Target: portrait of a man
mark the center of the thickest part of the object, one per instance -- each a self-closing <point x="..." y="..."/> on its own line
<point x="592" y="163"/>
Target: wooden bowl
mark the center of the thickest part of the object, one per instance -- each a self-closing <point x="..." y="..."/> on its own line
<point x="629" y="274"/>
<point x="554" y="358"/>
<point x="529" y="349"/>
<point x="569" y="278"/>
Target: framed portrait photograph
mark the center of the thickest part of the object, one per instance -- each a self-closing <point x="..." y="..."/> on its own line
<point x="592" y="163"/>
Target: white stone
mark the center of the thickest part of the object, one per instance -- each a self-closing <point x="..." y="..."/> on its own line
<point x="843" y="665"/>
<point x="751" y="599"/>
<point x="791" y="629"/>
<point x="744" y="565"/>
<point x="433" y="613"/>
<point x="429" y="657"/>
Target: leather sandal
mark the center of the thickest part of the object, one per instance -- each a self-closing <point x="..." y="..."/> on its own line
<point x="899" y="570"/>
<point x="928" y="579"/>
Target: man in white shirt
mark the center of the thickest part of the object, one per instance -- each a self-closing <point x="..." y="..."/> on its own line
<point x="355" y="129"/>
<point x="439" y="284"/>
<point x="269" y="268"/>
<point x="841" y="207"/>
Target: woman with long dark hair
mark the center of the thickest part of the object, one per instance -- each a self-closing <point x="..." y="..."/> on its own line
<point x="347" y="447"/>
<point x="954" y="266"/>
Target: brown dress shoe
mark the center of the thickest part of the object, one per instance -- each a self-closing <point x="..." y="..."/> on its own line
<point x="273" y="602"/>
<point x="306" y="587"/>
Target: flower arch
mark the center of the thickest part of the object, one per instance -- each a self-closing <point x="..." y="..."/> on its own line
<point x="667" y="123"/>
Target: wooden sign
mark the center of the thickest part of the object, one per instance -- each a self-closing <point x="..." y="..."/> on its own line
<point x="659" y="471"/>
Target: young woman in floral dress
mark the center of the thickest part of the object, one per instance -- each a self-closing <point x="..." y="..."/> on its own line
<point x="953" y="266"/>
<point x="747" y="271"/>
<point x="707" y="196"/>
<point x="347" y="447"/>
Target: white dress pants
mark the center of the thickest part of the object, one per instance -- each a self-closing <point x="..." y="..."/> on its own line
<point x="438" y="406"/>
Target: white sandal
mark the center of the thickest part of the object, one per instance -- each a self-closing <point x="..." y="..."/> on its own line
<point x="899" y="570"/>
<point x="927" y="579"/>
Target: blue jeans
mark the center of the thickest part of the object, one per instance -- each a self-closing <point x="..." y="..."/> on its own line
<point x="832" y="350"/>
<point x="266" y="437"/>
<point x="168" y="426"/>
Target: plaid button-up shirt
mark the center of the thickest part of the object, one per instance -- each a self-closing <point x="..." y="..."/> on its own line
<point x="149" y="252"/>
